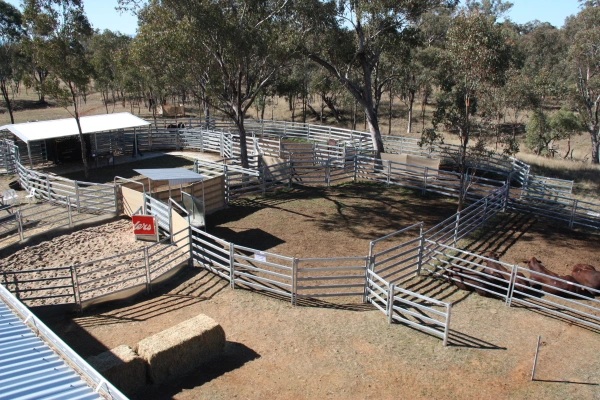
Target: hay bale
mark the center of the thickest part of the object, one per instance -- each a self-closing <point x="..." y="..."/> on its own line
<point x="122" y="367"/>
<point x="180" y="349"/>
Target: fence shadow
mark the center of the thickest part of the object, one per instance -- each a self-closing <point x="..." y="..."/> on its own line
<point x="570" y="382"/>
<point x="459" y="339"/>
<point x="234" y="356"/>
<point x="539" y="311"/>
<point x="190" y="287"/>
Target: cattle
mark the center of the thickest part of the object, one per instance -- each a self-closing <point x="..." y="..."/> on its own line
<point x="466" y="280"/>
<point x="587" y="275"/>
<point x="499" y="271"/>
<point x="550" y="281"/>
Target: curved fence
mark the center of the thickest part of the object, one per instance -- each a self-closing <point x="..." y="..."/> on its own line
<point x="326" y="155"/>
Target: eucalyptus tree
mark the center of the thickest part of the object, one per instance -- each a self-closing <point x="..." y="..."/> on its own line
<point x="11" y="31"/>
<point x="350" y="39"/>
<point x="583" y="32"/>
<point x="231" y="50"/>
<point x="106" y="49"/>
<point x="475" y="60"/>
<point x="61" y="32"/>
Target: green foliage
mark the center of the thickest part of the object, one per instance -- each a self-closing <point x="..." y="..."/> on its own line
<point x="542" y="130"/>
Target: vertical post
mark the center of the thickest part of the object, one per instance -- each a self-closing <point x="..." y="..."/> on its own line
<point x="328" y="172"/>
<point x="421" y="248"/>
<point x="294" y="281"/>
<point x="227" y="185"/>
<point x="457" y="224"/>
<point x="355" y="167"/>
<point x="535" y="360"/>
<point x="507" y="196"/>
<point x="76" y="294"/>
<point x="190" y="238"/>
<point x="29" y="154"/>
<point x="147" y="266"/>
<point x="20" y="222"/>
<point x="447" y="326"/>
<point x="116" y="195"/>
<point x="425" y="173"/>
<point x="170" y="219"/>
<point x="573" y="211"/>
<point x="77" y="200"/>
<point x="484" y="218"/>
<point x="390" y="303"/>
<point x="511" y="285"/>
<point x="389" y="172"/>
<point x="69" y="212"/>
<point x="264" y="179"/>
<point x="232" y="265"/>
<point x="77" y="288"/>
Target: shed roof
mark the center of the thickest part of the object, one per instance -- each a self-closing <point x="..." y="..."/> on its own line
<point x="32" y="131"/>
<point x="175" y="176"/>
<point x="31" y="369"/>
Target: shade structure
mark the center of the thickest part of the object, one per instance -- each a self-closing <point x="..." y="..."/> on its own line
<point x="175" y="176"/>
<point x="33" y="131"/>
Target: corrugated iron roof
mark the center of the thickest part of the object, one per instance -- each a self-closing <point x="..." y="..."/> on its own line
<point x="31" y="369"/>
<point x="175" y="176"/>
<point x="41" y="130"/>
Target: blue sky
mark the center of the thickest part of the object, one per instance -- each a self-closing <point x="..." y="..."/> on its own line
<point x="102" y="13"/>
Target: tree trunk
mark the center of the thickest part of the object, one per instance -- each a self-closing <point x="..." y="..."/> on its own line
<point x="411" y="102"/>
<point x="390" y="114"/>
<point x="594" y="137"/>
<point x="373" y="123"/>
<point x="7" y="100"/>
<point x="86" y="171"/>
<point x="239" y="122"/>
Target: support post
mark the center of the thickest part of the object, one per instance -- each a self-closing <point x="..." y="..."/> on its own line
<point x="511" y="285"/>
<point x="328" y="172"/>
<point x="421" y="249"/>
<point x="573" y="211"/>
<point x="535" y="360"/>
<point x="77" y="290"/>
<point x="20" y="222"/>
<point x="355" y="168"/>
<point x="69" y="211"/>
<point x="294" y="281"/>
<point x="484" y="218"/>
<point x="190" y="238"/>
<point x="447" y="326"/>
<point x="29" y="154"/>
<point x="425" y="173"/>
<point x="456" y="226"/>
<point x="389" y="173"/>
<point x="232" y="265"/>
<point x="390" y="303"/>
<point x="77" y="200"/>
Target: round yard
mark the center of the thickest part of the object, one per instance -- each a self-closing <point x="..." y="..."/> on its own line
<point x="325" y="350"/>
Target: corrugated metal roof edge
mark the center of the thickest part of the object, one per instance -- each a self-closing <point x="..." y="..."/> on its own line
<point x="89" y="374"/>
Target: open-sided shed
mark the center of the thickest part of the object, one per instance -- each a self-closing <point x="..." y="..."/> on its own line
<point x="57" y="140"/>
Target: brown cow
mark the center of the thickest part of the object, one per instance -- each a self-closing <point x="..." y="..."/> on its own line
<point x="550" y="284"/>
<point x="464" y="281"/>
<point x="499" y="271"/>
<point x="587" y="275"/>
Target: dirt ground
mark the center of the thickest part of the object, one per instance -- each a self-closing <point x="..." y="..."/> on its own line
<point x="324" y="350"/>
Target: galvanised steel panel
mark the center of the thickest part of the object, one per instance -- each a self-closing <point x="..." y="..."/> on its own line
<point x="30" y="369"/>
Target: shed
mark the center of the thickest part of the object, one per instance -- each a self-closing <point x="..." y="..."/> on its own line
<point x="49" y="132"/>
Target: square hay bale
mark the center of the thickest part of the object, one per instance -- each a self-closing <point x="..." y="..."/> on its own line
<point x="122" y="367"/>
<point x="180" y="349"/>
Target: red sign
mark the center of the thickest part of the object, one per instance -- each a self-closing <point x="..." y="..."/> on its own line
<point x="143" y="224"/>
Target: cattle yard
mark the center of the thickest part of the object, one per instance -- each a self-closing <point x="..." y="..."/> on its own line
<point x="364" y="270"/>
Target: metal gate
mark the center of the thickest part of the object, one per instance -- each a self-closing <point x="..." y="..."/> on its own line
<point x="161" y="211"/>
